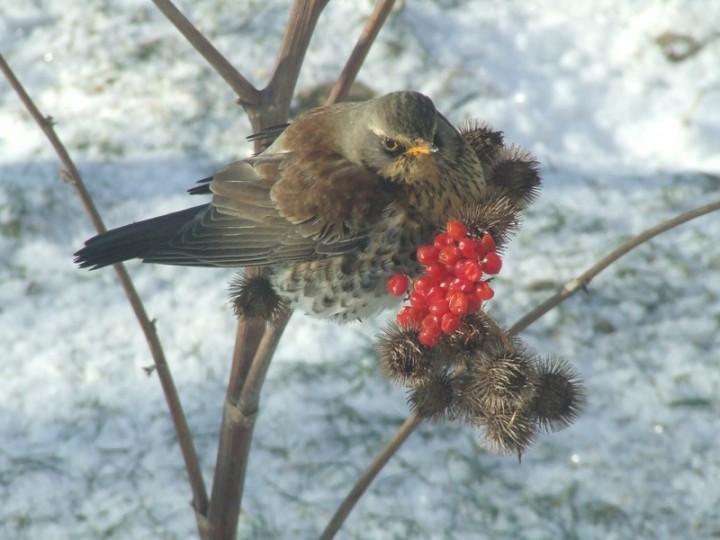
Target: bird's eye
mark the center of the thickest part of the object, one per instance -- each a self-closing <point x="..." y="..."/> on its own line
<point x="436" y="141"/>
<point x="390" y="145"/>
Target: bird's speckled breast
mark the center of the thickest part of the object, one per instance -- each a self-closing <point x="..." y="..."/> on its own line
<point x="352" y="286"/>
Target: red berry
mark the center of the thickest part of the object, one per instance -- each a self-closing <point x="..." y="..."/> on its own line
<point x="427" y="254"/>
<point x="439" y="307"/>
<point x="472" y="271"/>
<point x="442" y="239"/>
<point x="435" y="295"/>
<point x="417" y="300"/>
<point x="423" y="284"/>
<point x="487" y="245"/>
<point x="435" y="271"/>
<point x="410" y="317"/>
<point x="491" y="263"/>
<point x="449" y="255"/>
<point x="456" y="229"/>
<point x="428" y="339"/>
<point x="446" y="282"/>
<point x="468" y="247"/>
<point x="397" y="285"/>
<point x="462" y="284"/>
<point x="483" y="291"/>
<point x="449" y="270"/>
<point x="458" y="303"/>
<point x="431" y="324"/>
<point x="449" y="323"/>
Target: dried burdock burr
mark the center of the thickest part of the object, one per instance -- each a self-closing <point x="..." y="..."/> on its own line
<point x="483" y="139"/>
<point x="510" y="170"/>
<point x="496" y="215"/>
<point x="475" y="333"/>
<point x="514" y="174"/>
<point x="435" y="398"/>
<point x="403" y="359"/>
<point x="508" y="432"/>
<point x="559" y="394"/>
<point x="253" y="296"/>
<point x="499" y="381"/>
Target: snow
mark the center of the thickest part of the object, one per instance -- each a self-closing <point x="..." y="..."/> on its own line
<point x="626" y="138"/>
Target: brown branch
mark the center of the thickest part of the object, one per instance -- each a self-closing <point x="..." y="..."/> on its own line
<point x="72" y="174"/>
<point x="581" y="282"/>
<point x="254" y="340"/>
<point x="277" y="95"/>
<point x="570" y="288"/>
<point x="357" y="57"/>
<point x="236" y="438"/>
<point x="248" y="95"/>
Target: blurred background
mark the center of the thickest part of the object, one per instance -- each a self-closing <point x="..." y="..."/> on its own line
<point x="620" y="103"/>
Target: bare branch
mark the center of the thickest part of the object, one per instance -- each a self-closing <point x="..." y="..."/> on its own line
<point x="357" y="57"/>
<point x="582" y="281"/>
<point x="253" y="340"/>
<point x="248" y="95"/>
<point x="236" y="437"/>
<point x="200" y="500"/>
<point x="45" y="123"/>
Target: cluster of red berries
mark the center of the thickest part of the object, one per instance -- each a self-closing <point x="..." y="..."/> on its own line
<point x="452" y="283"/>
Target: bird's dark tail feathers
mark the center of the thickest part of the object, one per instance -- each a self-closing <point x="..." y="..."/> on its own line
<point x="135" y="241"/>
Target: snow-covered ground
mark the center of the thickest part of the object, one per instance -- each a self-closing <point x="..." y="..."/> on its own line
<point x="623" y="113"/>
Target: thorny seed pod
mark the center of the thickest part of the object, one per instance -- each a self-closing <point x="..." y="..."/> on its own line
<point x="435" y="398"/>
<point x="496" y="214"/>
<point x="499" y="384"/>
<point x="474" y="333"/>
<point x="559" y="395"/>
<point x="514" y="174"/>
<point x="403" y="358"/>
<point x="509" y="432"/>
<point x="253" y="296"/>
<point x="484" y="140"/>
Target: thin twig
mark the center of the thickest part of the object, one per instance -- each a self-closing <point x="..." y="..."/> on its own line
<point x="248" y="95"/>
<point x="357" y="57"/>
<point x="582" y="281"/>
<point x="570" y="288"/>
<point x="200" y="500"/>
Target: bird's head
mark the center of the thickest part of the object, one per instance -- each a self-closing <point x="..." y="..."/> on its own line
<point x="399" y="136"/>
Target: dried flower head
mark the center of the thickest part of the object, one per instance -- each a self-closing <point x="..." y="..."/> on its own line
<point x="475" y="333"/>
<point x="559" y="395"/>
<point x="435" y="398"/>
<point x="514" y="173"/>
<point x="509" y="432"/>
<point x="483" y="139"/>
<point x="253" y="296"/>
<point x="499" y="383"/>
<point x="403" y="358"/>
<point x="496" y="215"/>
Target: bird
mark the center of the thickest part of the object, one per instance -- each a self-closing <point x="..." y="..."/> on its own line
<point x="333" y="207"/>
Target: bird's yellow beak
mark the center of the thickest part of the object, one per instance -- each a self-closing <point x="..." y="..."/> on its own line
<point x="423" y="148"/>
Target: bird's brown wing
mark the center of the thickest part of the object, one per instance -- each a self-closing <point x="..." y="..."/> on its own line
<point x="281" y="207"/>
<point x="328" y="197"/>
